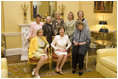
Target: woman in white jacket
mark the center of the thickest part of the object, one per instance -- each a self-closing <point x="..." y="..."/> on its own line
<point x="61" y="43"/>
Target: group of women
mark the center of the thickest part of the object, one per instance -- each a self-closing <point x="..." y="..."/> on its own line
<point x="70" y="33"/>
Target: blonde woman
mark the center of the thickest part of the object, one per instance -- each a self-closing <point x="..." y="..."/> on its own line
<point x="38" y="50"/>
<point x="70" y="25"/>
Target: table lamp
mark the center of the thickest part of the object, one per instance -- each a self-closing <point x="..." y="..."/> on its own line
<point x="103" y="29"/>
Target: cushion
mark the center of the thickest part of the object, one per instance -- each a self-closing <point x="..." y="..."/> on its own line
<point x="4" y="69"/>
<point x="4" y="73"/>
<point x="109" y="62"/>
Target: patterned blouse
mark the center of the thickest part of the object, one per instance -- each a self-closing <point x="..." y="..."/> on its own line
<point x="56" y="24"/>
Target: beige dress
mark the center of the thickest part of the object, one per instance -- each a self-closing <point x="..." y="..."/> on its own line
<point x="40" y="51"/>
<point x="61" y="43"/>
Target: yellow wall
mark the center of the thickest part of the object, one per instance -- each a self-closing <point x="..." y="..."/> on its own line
<point x="2" y="18"/>
<point x="13" y="42"/>
<point x="12" y="16"/>
<point x="72" y="6"/>
<point x="94" y="18"/>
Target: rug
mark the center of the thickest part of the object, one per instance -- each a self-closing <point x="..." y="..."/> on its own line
<point x="22" y="70"/>
<point x="92" y="74"/>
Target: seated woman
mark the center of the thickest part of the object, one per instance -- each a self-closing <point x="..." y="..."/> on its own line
<point x="38" y="50"/>
<point x="81" y="40"/>
<point x="61" y="43"/>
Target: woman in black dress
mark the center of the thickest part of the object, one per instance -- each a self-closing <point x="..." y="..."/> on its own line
<point x="48" y="29"/>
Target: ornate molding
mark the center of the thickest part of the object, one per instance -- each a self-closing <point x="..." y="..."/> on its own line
<point x="14" y="51"/>
<point x="24" y="33"/>
<point x="24" y="25"/>
<point x="11" y="34"/>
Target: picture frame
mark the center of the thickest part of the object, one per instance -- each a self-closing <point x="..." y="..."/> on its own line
<point x="45" y="13"/>
<point x="103" y="6"/>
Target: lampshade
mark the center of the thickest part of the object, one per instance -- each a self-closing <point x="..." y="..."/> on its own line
<point x="103" y="22"/>
<point x="103" y="29"/>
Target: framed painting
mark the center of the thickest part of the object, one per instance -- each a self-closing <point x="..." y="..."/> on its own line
<point x="103" y="6"/>
<point x="44" y="8"/>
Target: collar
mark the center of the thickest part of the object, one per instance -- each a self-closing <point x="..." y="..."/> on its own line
<point x="82" y="19"/>
<point x="48" y="24"/>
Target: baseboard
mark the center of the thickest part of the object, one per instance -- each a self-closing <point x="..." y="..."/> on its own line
<point x="14" y="51"/>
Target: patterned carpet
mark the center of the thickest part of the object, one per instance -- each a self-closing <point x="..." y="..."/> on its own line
<point x="22" y="70"/>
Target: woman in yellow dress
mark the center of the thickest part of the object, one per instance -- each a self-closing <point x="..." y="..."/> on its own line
<point x="38" y="50"/>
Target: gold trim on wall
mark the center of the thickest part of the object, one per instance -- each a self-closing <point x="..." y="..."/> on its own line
<point x="31" y="8"/>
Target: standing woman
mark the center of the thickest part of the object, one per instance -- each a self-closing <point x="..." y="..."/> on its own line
<point x="57" y="22"/>
<point x="38" y="50"/>
<point x="80" y="15"/>
<point x="34" y="27"/>
<point x="81" y="42"/>
<point x="48" y="29"/>
<point x="61" y="43"/>
<point x="70" y="25"/>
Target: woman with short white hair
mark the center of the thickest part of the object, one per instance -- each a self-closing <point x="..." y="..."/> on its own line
<point x="48" y="29"/>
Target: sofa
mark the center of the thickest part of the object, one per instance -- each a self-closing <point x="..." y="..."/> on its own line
<point x="107" y="62"/>
<point x="4" y="68"/>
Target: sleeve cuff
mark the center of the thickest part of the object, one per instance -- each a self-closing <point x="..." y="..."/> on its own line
<point x="55" y="48"/>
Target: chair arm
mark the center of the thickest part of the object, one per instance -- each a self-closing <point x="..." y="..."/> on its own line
<point x="48" y="51"/>
<point x="106" y="52"/>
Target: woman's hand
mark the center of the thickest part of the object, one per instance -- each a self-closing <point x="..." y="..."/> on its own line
<point x="45" y="50"/>
<point x="75" y="43"/>
<point x="29" y="38"/>
<point x="58" y="50"/>
<point x="82" y="43"/>
<point x="61" y="50"/>
<point x="64" y="50"/>
<point x="33" y="58"/>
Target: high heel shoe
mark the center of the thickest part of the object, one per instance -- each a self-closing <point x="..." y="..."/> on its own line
<point x="73" y="71"/>
<point x="57" y="71"/>
<point x="38" y="76"/>
<point x="33" y="72"/>
<point x="61" y="73"/>
<point x="80" y="73"/>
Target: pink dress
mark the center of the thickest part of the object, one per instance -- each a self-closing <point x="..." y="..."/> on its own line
<point x="33" y="29"/>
